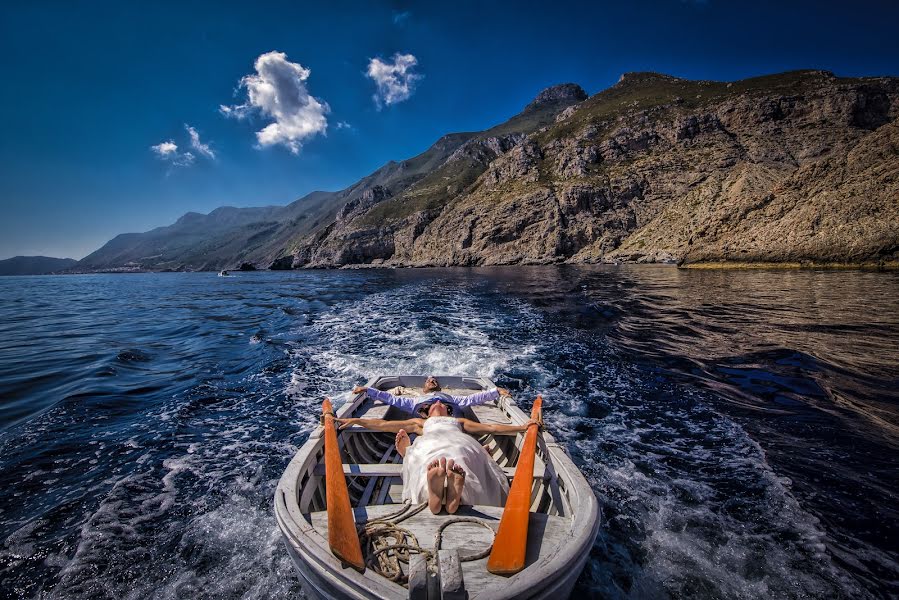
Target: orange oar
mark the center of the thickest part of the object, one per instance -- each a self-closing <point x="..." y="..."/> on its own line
<point x="342" y="536"/>
<point x="511" y="541"/>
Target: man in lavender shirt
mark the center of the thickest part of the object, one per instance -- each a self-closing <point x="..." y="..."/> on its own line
<point x="432" y="394"/>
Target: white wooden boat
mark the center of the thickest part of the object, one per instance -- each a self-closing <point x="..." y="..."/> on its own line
<point x="563" y="519"/>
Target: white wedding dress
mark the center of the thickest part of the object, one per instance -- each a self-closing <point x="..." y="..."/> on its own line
<point x="485" y="482"/>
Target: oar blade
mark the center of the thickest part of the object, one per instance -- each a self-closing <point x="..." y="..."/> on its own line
<point x="342" y="536"/>
<point x="510" y="544"/>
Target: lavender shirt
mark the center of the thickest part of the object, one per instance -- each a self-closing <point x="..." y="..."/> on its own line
<point x="409" y="403"/>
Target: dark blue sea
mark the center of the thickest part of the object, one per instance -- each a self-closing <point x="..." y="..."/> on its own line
<point x="739" y="428"/>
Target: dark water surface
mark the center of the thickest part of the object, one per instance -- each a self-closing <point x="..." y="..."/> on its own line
<point x="740" y="428"/>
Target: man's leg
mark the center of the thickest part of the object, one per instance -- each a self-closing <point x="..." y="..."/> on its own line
<point x="402" y="442"/>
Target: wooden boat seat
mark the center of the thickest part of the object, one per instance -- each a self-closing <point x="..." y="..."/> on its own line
<point x="485" y="413"/>
<point x="546" y="534"/>
<point x="396" y="470"/>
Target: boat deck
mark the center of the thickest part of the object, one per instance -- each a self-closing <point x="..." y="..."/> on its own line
<point x="545" y="534"/>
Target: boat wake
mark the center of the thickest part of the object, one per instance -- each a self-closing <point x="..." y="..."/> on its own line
<point x="690" y="506"/>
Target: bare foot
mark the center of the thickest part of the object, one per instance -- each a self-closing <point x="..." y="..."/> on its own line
<point x="436" y="482"/>
<point x="455" y="482"/>
<point x="402" y="442"/>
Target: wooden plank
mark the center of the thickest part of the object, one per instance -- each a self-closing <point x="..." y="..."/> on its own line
<point x="508" y="554"/>
<point x="418" y="577"/>
<point x="487" y="413"/>
<point x="387" y="484"/>
<point x="377" y="411"/>
<point x="396" y="470"/>
<point x="366" y="495"/>
<point x="553" y="478"/>
<point x="311" y="485"/>
<point x="342" y="536"/>
<point x="360" y="429"/>
<point x="452" y="583"/>
<point x="395" y="492"/>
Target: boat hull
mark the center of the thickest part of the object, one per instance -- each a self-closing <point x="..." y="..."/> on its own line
<point x="565" y="511"/>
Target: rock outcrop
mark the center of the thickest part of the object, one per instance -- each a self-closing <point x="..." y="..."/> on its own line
<point x="383" y="223"/>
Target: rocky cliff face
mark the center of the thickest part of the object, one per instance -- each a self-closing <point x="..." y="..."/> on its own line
<point x="795" y="167"/>
<point x="800" y="166"/>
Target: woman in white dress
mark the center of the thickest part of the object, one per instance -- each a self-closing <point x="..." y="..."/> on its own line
<point x="445" y="465"/>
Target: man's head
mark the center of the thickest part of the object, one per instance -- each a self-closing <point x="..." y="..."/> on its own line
<point x="431" y="385"/>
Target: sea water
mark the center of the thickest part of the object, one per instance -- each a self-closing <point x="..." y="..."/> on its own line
<point x="739" y="428"/>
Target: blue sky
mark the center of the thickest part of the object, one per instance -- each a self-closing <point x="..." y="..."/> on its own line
<point x="90" y="87"/>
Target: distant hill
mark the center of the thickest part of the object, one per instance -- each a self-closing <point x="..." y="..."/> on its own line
<point x="34" y="265"/>
<point x="799" y="167"/>
<point x="224" y="238"/>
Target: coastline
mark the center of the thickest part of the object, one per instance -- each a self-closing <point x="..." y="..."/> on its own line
<point x="890" y="265"/>
<point x="871" y="265"/>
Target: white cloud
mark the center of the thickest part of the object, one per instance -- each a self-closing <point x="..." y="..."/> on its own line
<point x="165" y="148"/>
<point x="235" y="112"/>
<point x="196" y="144"/>
<point x="278" y="91"/>
<point x="395" y="81"/>
<point x="343" y="125"/>
<point x="184" y="160"/>
<point x="168" y="151"/>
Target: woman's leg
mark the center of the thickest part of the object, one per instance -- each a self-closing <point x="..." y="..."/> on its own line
<point x="436" y="482"/>
<point x="455" y="483"/>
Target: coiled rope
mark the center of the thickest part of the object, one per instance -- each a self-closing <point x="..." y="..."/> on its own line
<point x="386" y="544"/>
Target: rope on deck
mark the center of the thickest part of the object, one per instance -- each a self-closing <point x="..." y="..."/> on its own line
<point x="386" y="544"/>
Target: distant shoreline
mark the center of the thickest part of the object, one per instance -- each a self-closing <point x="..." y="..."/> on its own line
<point x="709" y="266"/>
<point x="830" y="266"/>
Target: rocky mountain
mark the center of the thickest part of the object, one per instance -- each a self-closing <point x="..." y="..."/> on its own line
<point x="269" y="236"/>
<point x="796" y="167"/>
<point x="34" y="265"/>
<point x="799" y="167"/>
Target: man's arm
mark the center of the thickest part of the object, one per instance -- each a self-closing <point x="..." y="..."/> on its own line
<point x="407" y="404"/>
<point x="475" y="428"/>
<point x="410" y="425"/>
<point x="480" y="397"/>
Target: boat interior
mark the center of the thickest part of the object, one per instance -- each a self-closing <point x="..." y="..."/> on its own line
<point x="374" y="468"/>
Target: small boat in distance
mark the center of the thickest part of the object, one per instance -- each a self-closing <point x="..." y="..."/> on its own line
<point x="224" y="273"/>
<point x="411" y="553"/>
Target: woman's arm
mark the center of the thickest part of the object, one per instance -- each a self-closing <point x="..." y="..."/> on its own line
<point x="410" y="425"/>
<point x="476" y="428"/>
